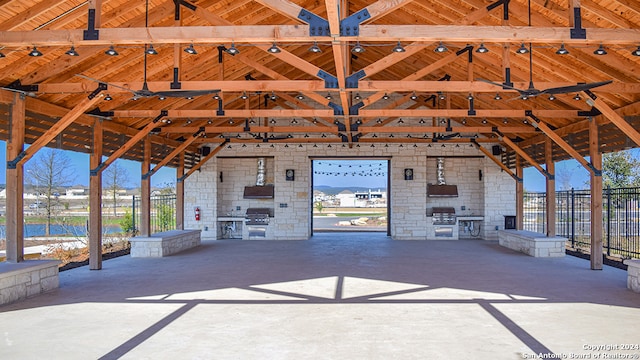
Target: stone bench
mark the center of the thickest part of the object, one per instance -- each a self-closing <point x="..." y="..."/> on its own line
<point x="532" y="243"/>
<point x="25" y="279"/>
<point x="633" y="274"/>
<point x="164" y="243"/>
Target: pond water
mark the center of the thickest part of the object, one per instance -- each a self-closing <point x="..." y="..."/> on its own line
<point x="31" y="230"/>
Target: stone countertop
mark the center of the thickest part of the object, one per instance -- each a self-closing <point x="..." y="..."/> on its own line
<point x="230" y="218"/>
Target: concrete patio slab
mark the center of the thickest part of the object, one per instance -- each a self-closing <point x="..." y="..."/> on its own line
<point x="336" y="296"/>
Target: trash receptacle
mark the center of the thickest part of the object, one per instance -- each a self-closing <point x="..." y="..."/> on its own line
<point x="509" y="222"/>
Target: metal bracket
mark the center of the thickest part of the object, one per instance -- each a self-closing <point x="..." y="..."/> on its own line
<point x="354" y="109"/>
<point x="337" y="109"/>
<point x="14" y="163"/>
<point x="356" y="137"/>
<point x="91" y="33"/>
<point x="330" y="81"/>
<point x="247" y="128"/>
<point x="341" y="126"/>
<point x="469" y="49"/>
<point x="591" y="94"/>
<point x="593" y="112"/>
<point x="350" y="26"/>
<point x="17" y="85"/>
<point x="507" y="80"/>
<point x="101" y="86"/>
<point x="578" y="32"/>
<point x="147" y="175"/>
<point x="101" y="114"/>
<point x="351" y="82"/>
<point x="220" y="111"/>
<point x="221" y="49"/>
<point x="94" y="172"/>
<point x="354" y="127"/>
<point x="471" y="111"/>
<point x="176" y="75"/>
<point x="596" y="172"/>
<point x="163" y="113"/>
<point x="317" y="25"/>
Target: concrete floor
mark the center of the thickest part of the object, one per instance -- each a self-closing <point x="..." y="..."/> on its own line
<point x="336" y="296"/>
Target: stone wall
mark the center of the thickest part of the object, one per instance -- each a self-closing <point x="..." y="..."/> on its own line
<point x="493" y="196"/>
<point x="164" y="243"/>
<point x="26" y="279"/>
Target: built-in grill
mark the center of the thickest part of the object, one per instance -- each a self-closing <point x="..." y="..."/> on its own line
<point x="444" y="216"/>
<point x="257" y="216"/>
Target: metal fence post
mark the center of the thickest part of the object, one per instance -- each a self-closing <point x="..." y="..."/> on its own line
<point x="573" y="219"/>
<point x="608" y="227"/>
<point x="133" y="214"/>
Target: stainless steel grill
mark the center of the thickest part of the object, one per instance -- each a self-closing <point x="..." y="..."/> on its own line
<point x="257" y="216"/>
<point x="444" y="216"/>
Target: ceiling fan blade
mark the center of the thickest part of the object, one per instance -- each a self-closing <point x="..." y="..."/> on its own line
<point x="575" y="88"/>
<point x="184" y="93"/>
<point x="501" y="85"/>
<point x="108" y="84"/>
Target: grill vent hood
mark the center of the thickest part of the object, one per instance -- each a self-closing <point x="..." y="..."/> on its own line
<point x="441" y="189"/>
<point x="260" y="190"/>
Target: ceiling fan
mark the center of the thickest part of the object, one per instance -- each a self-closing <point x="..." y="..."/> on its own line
<point x="145" y="92"/>
<point x="531" y="91"/>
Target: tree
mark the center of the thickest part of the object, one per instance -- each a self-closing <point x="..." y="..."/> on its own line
<point x="319" y="206"/>
<point x="49" y="170"/>
<point x="115" y="178"/>
<point x="620" y="170"/>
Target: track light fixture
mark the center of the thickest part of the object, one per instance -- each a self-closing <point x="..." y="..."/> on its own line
<point x="497" y="97"/>
<point x="636" y="52"/>
<point x="1" y="55"/>
<point x="398" y="48"/>
<point x="189" y="98"/>
<point x="150" y="50"/>
<point x="274" y="49"/>
<point x="470" y="97"/>
<point x="413" y="96"/>
<point x="162" y="97"/>
<point x="442" y="96"/>
<point x="482" y="49"/>
<point x="300" y="97"/>
<point x="273" y="96"/>
<point x="440" y="48"/>
<point x="522" y="50"/>
<point x="552" y="97"/>
<point x="357" y="49"/>
<point x="233" y="50"/>
<point x="108" y="98"/>
<point x="421" y="121"/>
<point x="328" y="97"/>
<point x="111" y="51"/>
<point x="216" y="96"/>
<point x="484" y="121"/>
<point x="357" y="97"/>
<point x="385" y="96"/>
<point x="600" y="50"/>
<point x="244" y="96"/>
<point x="577" y="97"/>
<point x="190" y="50"/>
<point x="505" y="121"/>
<point x="72" y="51"/>
<point x="562" y="50"/>
<point x="314" y="48"/>
<point x="272" y="121"/>
<point x="35" y="52"/>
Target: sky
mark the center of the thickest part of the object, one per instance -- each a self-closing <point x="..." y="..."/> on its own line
<point x="80" y="164"/>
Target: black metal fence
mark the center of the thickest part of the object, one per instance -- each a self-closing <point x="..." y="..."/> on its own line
<point x="620" y="211"/>
<point x="163" y="213"/>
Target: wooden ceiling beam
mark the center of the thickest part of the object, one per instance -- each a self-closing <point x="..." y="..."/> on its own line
<point x="319" y="85"/>
<point x="266" y="34"/>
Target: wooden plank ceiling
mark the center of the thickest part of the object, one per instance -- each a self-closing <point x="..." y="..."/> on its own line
<point x="377" y="96"/>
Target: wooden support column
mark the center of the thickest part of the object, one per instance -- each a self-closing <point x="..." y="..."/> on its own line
<point x="95" y="200"/>
<point x="551" y="187"/>
<point x="15" y="181"/>
<point x="519" y="194"/>
<point x="145" y="191"/>
<point x="596" y="196"/>
<point x="180" y="194"/>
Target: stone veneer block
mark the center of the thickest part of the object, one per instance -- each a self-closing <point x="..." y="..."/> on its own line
<point x="633" y="275"/>
<point x="532" y="243"/>
<point x="164" y="243"/>
<point x="25" y="279"/>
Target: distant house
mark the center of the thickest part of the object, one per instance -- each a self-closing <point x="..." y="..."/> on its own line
<point x="346" y="198"/>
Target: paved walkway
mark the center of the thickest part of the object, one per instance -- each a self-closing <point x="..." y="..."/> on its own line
<point x="336" y="296"/>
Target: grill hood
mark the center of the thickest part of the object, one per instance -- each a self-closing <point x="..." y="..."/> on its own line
<point x="441" y="189"/>
<point x="258" y="192"/>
